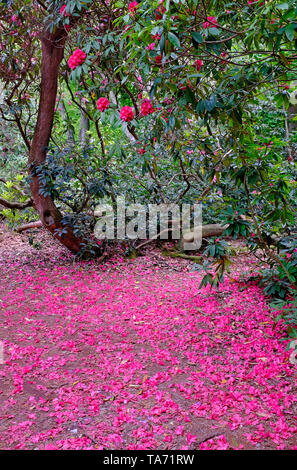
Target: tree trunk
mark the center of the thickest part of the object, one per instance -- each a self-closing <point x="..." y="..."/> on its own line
<point x="84" y="127"/>
<point x="52" y="54"/>
<point x="292" y="112"/>
<point x="64" y="114"/>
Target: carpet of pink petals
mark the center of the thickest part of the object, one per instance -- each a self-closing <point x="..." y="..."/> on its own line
<point x="129" y="355"/>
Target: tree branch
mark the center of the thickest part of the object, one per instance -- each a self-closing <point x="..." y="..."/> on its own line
<point x="16" y="205"/>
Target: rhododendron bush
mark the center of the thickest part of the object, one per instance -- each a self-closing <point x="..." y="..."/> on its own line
<point x="167" y="95"/>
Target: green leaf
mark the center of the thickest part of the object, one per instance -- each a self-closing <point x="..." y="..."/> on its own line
<point x="197" y="37"/>
<point x="211" y="103"/>
<point x="190" y="96"/>
<point x="290" y="32"/>
<point x="173" y="39"/>
<point x="162" y="44"/>
<point x="282" y="6"/>
<point x="214" y="31"/>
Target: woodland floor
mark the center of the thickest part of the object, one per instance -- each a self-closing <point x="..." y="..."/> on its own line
<point x="132" y="355"/>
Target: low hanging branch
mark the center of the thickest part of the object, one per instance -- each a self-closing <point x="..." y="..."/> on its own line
<point x="16" y="205"/>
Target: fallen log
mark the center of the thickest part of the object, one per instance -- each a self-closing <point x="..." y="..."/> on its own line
<point x="209" y="230"/>
<point x="24" y="227"/>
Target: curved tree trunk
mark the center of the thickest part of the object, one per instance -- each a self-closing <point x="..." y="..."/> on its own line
<point x="52" y="54"/>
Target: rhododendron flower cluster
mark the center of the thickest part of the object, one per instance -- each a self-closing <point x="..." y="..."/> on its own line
<point x="132" y="7"/>
<point x="126" y="113"/>
<point x="159" y="12"/>
<point x="146" y="107"/>
<point x="156" y="37"/>
<point x="103" y="104"/>
<point x="210" y="23"/>
<point x="198" y="64"/>
<point x="63" y="12"/>
<point x="224" y="54"/>
<point x="167" y="101"/>
<point x="77" y="58"/>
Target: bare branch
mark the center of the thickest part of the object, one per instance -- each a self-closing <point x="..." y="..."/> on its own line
<point x="16" y="205"/>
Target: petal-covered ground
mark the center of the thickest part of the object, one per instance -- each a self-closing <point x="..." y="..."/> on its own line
<point x="132" y="355"/>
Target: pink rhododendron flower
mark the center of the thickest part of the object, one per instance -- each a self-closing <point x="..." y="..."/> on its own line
<point x="191" y="438"/>
<point x="179" y="430"/>
<point x="224" y="54"/>
<point x="159" y="12"/>
<point x="158" y="59"/>
<point x="126" y="113"/>
<point x="77" y="58"/>
<point x="132" y="7"/>
<point x="139" y="78"/>
<point x="63" y="12"/>
<point x="156" y="37"/>
<point x="198" y="64"/>
<point x="103" y="104"/>
<point x="146" y="107"/>
<point x="210" y="23"/>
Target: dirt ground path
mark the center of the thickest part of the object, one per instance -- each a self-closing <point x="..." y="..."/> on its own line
<point x="132" y="355"/>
